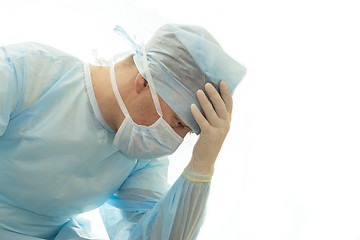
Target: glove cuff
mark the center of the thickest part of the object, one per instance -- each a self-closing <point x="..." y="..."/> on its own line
<point x="196" y="177"/>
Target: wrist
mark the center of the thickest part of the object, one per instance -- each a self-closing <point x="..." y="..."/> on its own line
<point x="199" y="171"/>
<point x="201" y="167"/>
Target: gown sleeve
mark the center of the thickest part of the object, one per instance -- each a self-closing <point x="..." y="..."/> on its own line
<point x="144" y="208"/>
<point x="9" y="92"/>
<point x="77" y="228"/>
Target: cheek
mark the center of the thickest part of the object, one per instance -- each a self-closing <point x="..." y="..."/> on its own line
<point x="145" y="114"/>
<point x="149" y="117"/>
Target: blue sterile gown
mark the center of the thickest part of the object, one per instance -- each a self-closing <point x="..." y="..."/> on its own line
<point x="57" y="160"/>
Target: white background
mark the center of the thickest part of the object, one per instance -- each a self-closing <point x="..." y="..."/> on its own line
<point x="289" y="168"/>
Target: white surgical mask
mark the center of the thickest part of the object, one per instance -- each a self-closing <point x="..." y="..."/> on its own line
<point x="139" y="141"/>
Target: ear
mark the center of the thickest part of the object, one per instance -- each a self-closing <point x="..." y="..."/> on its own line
<point x="140" y="83"/>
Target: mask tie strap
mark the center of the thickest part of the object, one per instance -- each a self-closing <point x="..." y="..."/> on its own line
<point x="119" y="30"/>
<point x="141" y="50"/>
<point x="116" y="91"/>
<point x="151" y="84"/>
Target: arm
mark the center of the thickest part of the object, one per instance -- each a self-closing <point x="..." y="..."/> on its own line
<point x="140" y="210"/>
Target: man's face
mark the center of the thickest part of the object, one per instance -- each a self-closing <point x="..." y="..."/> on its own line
<point x="143" y="112"/>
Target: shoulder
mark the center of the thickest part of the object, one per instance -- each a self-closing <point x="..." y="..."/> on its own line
<point x="37" y="67"/>
<point x="36" y="61"/>
<point x="32" y="52"/>
<point x="31" y="48"/>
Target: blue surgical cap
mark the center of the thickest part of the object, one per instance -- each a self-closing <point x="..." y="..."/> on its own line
<point x="182" y="59"/>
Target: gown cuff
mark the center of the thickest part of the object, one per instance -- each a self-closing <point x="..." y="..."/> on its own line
<point x="196" y="177"/>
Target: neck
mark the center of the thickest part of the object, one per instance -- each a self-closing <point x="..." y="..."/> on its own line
<point x="109" y="107"/>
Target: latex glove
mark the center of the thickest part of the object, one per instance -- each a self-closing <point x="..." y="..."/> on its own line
<point x="214" y="129"/>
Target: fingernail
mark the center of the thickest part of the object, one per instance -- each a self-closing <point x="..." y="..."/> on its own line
<point x="223" y="83"/>
<point x="208" y="85"/>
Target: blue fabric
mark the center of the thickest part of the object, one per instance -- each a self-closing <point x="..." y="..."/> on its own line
<point x="76" y="229"/>
<point x="57" y="158"/>
<point x="147" y="215"/>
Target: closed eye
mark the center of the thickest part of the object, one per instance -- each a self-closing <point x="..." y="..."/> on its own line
<point x="180" y="124"/>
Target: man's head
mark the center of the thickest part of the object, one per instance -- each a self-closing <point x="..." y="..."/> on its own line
<point x="182" y="59"/>
<point x="177" y="62"/>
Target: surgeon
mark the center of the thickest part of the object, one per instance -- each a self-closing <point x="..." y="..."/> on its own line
<point x="76" y="137"/>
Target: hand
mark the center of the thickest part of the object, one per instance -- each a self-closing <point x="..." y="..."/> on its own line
<point x="214" y="128"/>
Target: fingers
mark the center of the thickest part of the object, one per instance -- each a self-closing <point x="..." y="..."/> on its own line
<point x="217" y="101"/>
<point x="199" y="118"/>
<point x="221" y="106"/>
<point x="226" y="96"/>
<point x="206" y="106"/>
